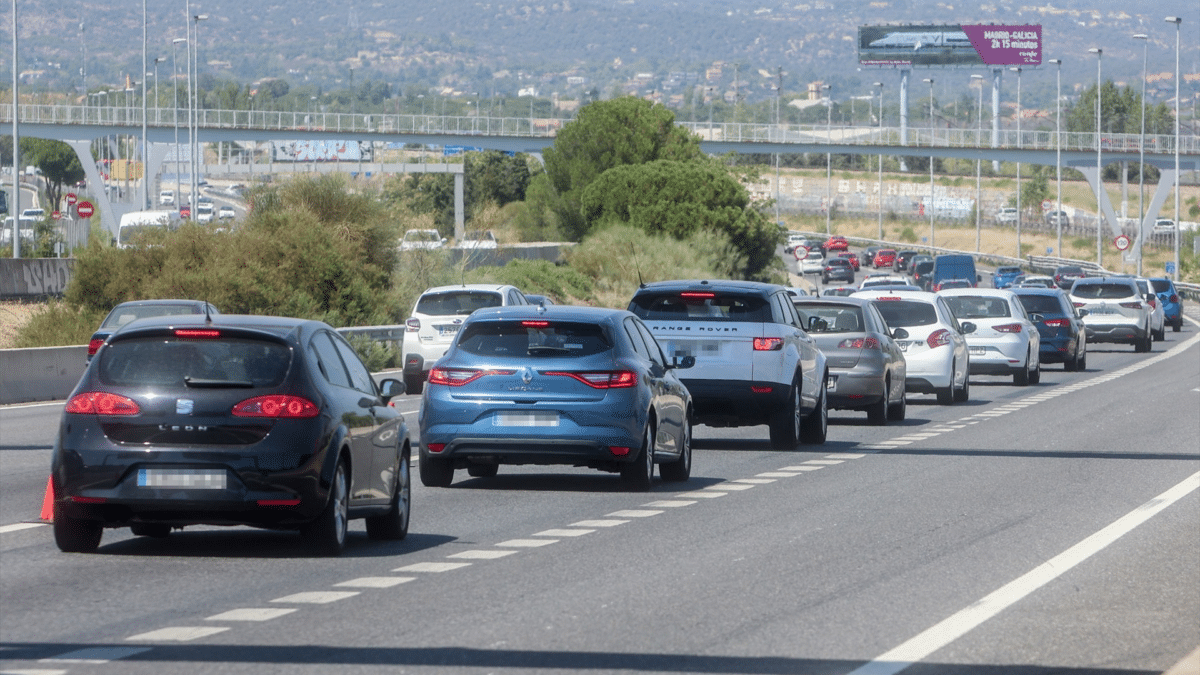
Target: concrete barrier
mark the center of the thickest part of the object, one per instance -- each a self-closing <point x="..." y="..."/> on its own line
<point x="43" y="374"/>
<point x="34" y="278"/>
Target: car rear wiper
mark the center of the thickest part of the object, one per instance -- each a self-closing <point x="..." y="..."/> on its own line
<point x="203" y="383"/>
<point x="543" y="349"/>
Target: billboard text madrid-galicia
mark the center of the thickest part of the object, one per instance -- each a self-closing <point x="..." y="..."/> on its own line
<point x="939" y="46"/>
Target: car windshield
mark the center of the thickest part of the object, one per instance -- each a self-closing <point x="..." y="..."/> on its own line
<point x="124" y="315"/>
<point x="831" y="319"/>
<point x="1161" y="285"/>
<point x="194" y="363"/>
<point x="978" y="307"/>
<point x="701" y="306"/>
<point x="904" y="313"/>
<point x="533" y="338"/>
<point x="1040" y="304"/>
<point x="452" y="303"/>
<point x="1102" y="291"/>
<point x="1008" y="270"/>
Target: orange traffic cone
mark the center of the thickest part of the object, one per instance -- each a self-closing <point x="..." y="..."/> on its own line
<point x="48" y="502"/>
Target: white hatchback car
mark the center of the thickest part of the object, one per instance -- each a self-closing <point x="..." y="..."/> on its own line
<point x="1005" y="341"/>
<point x="436" y="318"/>
<point x="812" y="263"/>
<point x="933" y="342"/>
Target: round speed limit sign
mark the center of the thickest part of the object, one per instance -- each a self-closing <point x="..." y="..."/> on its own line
<point x="1122" y="242"/>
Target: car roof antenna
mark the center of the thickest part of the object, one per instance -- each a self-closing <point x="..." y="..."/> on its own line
<point x="207" y="316"/>
<point x="633" y="253"/>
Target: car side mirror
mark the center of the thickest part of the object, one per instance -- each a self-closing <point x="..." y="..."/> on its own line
<point x="967" y="327"/>
<point x="390" y="388"/>
<point x="899" y="334"/>
<point x="1036" y="318"/>
<point x="1083" y="313"/>
<point x="978" y="278"/>
<point x="683" y="362"/>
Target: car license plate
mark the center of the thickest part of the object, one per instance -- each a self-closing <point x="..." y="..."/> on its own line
<point x="448" y="330"/>
<point x="526" y="419"/>
<point x="903" y="346"/>
<point x="195" y="479"/>
<point x="977" y="351"/>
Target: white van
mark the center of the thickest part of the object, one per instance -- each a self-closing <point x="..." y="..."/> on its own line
<point x="166" y="198"/>
<point x="134" y="225"/>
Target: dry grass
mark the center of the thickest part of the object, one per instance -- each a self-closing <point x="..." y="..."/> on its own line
<point x="14" y="315"/>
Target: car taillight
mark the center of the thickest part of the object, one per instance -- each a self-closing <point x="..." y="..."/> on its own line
<point x="457" y="377"/>
<point x="1008" y="328"/>
<point x="535" y="324"/>
<point x="697" y="294"/>
<point x="102" y="403"/>
<point x="618" y="450"/>
<point x="1078" y="304"/>
<point x="1057" y="323"/>
<point x="859" y="343"/>
<point x="1173" y="298"/>
<point x="1132" y="305"/>
<point x="1152" y="302"/>
<point x="768" y="344"/>
<point x="278" y="406"/>
<point x="600" y="379"/>
<point x="412" y="325"/>
<point x="435" y="447"/>
<point x="94" y="346"/>
<point x="938" y="338"/>
<point x="278" y="502"/>
<point x="200" y="333"/>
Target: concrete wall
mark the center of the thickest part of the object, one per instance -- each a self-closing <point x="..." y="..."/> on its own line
<point x="30" y="278"/>
<point x="44" y="374"/>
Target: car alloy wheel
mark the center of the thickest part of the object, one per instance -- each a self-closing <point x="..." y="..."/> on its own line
<point x="327" y="534"/>
<point x="815" y="428"/>
<point x="785" y="423"/>
<point x="681" y="469"/>
<point x="393" y="525"/>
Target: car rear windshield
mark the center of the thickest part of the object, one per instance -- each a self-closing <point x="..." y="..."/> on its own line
<point x="1041" y="304"/>
<point x="903" y="313"/>
<point x="838" y="262"/>
<point x="1161" y="285"/>
<point x="170" y="362"/>
<point x="126" y="314"/>
<point x="534" y="338"/>
<point x="457" y="302"/>
<point x="978" y="307"/>
<point x="831" y="318"/>
<point x="1102" y="291"/>
<point x="701" y="306"/>
<point x="1008" y="270"/>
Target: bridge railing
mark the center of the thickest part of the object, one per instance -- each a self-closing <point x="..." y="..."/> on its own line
<point x="472" y="125"/>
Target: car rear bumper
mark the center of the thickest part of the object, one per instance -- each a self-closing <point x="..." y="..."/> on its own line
<point x="1121" y="332"/>
<point x="736" y="402"/>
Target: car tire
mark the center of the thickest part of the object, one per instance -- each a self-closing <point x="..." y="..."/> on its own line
<point x="1036" y="376"/>
<point x="638" y="474"/>
<point x="76" y="535"/>
<point x="156" y="530"/>
<point x="1082" y="366"/>
<point x="814" y="429"/>
<point x="963" y="395"/>
<point x="785" y="423"/>
<point x="436" y="472"/>
<point x="413" y="384"/>
<point x="681" y="469"/>
<point x="1021" y="377"/>
<point x="393" y="525"/>
<point x="483" y="470"/>
<point x="897" y="411"/>
<point x="327" y="534"/>
<point x="877" y="413"/>
<point x="947" y="395"/>
<point x="1160" y="334"/>
<point x="1178" y="325"/>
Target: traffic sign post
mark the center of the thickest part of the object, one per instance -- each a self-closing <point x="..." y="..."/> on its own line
<point x="85" y="209"/>
<point x="71" y="198"/>
<point x="1122" y="242"/>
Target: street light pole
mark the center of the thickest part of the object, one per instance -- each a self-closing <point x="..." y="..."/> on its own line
<point x="828" y="159"/>
<point x="930" y="204"/>
<point x="978" y="164"/>
<point x="1017" y="69"/>
<point x="194" y="146"/>
<point x="1178" y="21"/>
<point x="175" y="111"/>
<point x="880" y="85"/>
<point x="16" y="142"/>
<point x="1058" y="214"/>
<point x="1142" y="155"/>
<point x="1099" y="170"/>
<point x="145" y="175"/>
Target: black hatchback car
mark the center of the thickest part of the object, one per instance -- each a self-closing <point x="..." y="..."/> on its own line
<point x="141" y="309"/>
<point x="230" y="420"/>
<point x="1064" y="338"/>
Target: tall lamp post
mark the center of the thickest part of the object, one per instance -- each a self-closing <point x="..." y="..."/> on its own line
<point x="1142" y="155"/>
<point x="157" y="103"/>
<point x="1178" y="21"/>
<point x="175" y="110"/>
<point x="16" y="142"/>
<point x="880" y="85"/>
<point x="145" y="177"/>
<point x="978" y="79"/>
<point x="1058" y="214"/>
<point x="828" y="159"/>
<point x="194" y="147"/>
<point x="1099" y="173"/>
<point x="932" y="240"/>
<point x="1017" y="70"/>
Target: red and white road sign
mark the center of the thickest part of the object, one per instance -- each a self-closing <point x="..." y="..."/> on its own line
<point x="55" y="215"/>
<point x="1122" y="242"/>
<point x="85" y="209"/>
<point x="71" y="198"/>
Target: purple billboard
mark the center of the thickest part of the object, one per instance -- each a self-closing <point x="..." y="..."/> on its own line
<point x="942" y="46"/>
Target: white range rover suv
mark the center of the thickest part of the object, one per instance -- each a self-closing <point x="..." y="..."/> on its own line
<point x="435" y="321"/>
<point x="1116" y="311"/>
<point x="755" y="364"/>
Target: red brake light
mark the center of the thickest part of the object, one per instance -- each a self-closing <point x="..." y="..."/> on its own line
<point x="1078" y="304"/>
<point x="1153" y="302"/>
<point x="697" y="294"/>
<point x="1132" y="305"/>
<point x="761" y="389"/>
<point x="197" y="333"/>
<point x="102" y="403"/>
<point x="94" y="346"/>
<point x="435" y="447"/>
<point x="412" y="325"/>
<point x="457" y="377"/>
<point x="1057" y="323"/>
<point x="1008" y="328"/>
<point x="1173" y="298"/>
<point x="535" y="324"/>
<point x="768" y="344"/>
<point x="278" y="406"/>
<point x="938" y="338"/>
<point x="601" y="379"/>
<point x="618" y="450"/>
<point x="859" y="343"/>
<point x="889" y="298"/>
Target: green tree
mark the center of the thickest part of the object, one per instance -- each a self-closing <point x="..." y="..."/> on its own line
<point x="606" y="134"/>
<point x="58" y="163"/>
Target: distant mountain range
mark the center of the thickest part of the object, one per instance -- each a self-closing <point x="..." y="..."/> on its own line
<point x="574" y="47"/>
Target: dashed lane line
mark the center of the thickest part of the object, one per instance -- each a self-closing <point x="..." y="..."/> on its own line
<point x="670" y="503"/>
<point x="611" y="522"/>
<point x="434" y="567"/>
<point x="634" y="513"/>
<point x="528" y="543"/>
<point x="701" y="494"/>
<point x="252" y="614"/>
<point x="178" y="633"/>
<point x="476" y="554"/>
<point x="33" y="671"/>
<point x="575" y="532"/>
<point x="802" y="468"/>
<point x="374" y="582"/>
<point x="316" y="597"/>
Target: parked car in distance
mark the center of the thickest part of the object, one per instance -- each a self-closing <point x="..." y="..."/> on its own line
<point x="230" y="420"/>
<point x="884" y="257"/>
<point x="575" y="386"/>
<point x="1007" y="216"/>
<point x="852" y="258"/>
<point x="1004" y="342"/>
<point x="204" y="212"/>
<point x="422" y="240"/>
<point x="478" y="239"/>
<point x="1064" y="338"/>
<point x="1117" y="311"/>
<point x="933" y="342"/>
<point x="133" y="310"/>
<point x="796" y="240"/>
<point x="1056" y="218"/>
<point x="838" y="269"/>
<point x="226" y="213"/>
<point x="166" y="197"/>
<point x="1163" y="226"/>
<point x="754" y="362"/>
<point x="436" y="317"/>
<point x="1066" y="275"/>
<point x="866" y="366"/>
<point x="1004" y="277"/>
<point x="1168" y="297"/>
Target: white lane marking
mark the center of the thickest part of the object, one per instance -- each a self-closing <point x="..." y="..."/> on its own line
<point x="252" y="614"/>
<point x="95" y="655"/>
<point x="753" y="481"/>
<point x="599" y="523"/>
<point x="778" y="474"/>
<point x="374" y="582"/>
<point x="20" y="526"/>
<point x="179" y="633"/>
<point x="527" y="543"/>
<point x="824" y="462"/>
<point x="962" y="622"/>
<point x="18" y="406"/>
<point x="845" y="455"/>
<point x="670" y="503"/>
<point x="802" y="468"/>
<point x="33" y="671"/>
<point x="316" y="597"/>
<point x="634" y="513"/>
<point x="480" y="555"/>
<point x="729" y="486"/>
<point x="431" y="567"/>
<point x="702" y="494"/>
<point x="579" y="532"/>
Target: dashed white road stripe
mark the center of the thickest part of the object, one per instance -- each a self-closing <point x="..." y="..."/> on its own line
<point x="252" y="614"/>
<point x="729" y="485"/>
<point x="480" y="555"/>
<point x="579" y="532"/>
<point x="179" y="633"/>
<point x="95" y="655"/>
<point x="802" y="468"/>
<point x="433" y="567"/>
<point x="670" y="503"/>
<point x="33" y="671"/>
<point x="753" y="481"/>
<point x="778" y="474"/>
<point x="527" y="543"/>
<point x="316" y="597"/>
<point x="634" y="513"/>
<point x="702" y="494"/>
<point x="20" y="526"/>
<point x="845" y="455"/>
<point x="825" y="462"/>
<point x="374" y="582"/>
<point x="599" y="523"/>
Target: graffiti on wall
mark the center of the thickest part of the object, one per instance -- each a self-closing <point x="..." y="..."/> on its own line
<point x="34" y="277"/>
